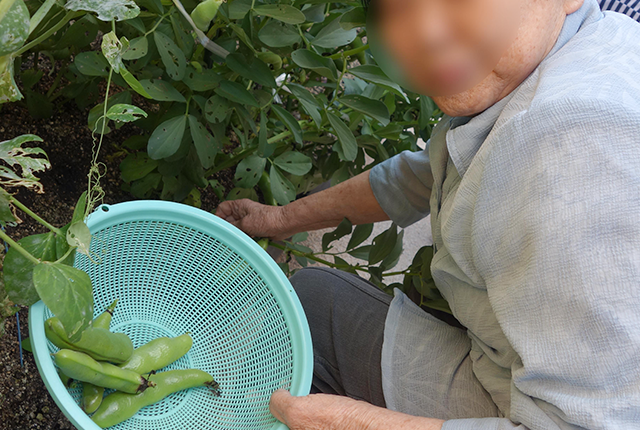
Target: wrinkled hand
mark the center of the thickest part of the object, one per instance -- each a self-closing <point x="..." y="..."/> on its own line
<point x="315" y="411"/>
<point x="255" y="219"/>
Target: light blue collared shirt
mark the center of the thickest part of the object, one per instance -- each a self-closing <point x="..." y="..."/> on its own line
<point x="536" y="225"/>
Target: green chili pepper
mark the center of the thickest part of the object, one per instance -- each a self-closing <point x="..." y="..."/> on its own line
<point x="158" y="353"/>
<point x="92" y="394"/>
<point x="80" y="366"/>
<point x="118" y="407"/>
<point x="97" y="342"/>
<point x="203" y="14"/>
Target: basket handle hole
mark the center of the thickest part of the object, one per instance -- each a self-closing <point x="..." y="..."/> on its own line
<point x="105" y="208"/>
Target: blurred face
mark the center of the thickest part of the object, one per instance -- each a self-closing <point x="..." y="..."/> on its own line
<point x="468" y="54"/>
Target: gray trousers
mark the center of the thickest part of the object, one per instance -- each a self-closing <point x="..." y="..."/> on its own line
<point x="346" y="316"/>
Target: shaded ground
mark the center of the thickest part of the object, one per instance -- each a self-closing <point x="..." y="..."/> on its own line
<point x="24" y="400"/>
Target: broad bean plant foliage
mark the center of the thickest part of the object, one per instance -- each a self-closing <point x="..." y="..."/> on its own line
<point x="285" y="92"/>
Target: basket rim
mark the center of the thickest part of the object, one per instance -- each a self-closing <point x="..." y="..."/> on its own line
<point x="156" y="210"/>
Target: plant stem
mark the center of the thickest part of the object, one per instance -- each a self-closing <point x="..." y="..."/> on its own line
<point x="33" y="215"/>
<point x="302" y="254"/>
<point x="46" y="34"/>
<point x="349" y="53"/>
<point x="18" y="248"/>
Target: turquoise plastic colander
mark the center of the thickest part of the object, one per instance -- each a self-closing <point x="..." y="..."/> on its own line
<point x="177" y="269"/>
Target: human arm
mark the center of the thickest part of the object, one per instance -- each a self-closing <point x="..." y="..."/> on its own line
<point x="352" y="199"/>
<point x="398" y="188"/>
<point x="330" y="412"/>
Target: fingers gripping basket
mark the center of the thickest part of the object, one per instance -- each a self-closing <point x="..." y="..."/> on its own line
<point x="177" y="269"/>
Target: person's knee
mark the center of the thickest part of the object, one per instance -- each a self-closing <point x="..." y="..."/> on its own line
<point x="313" y="285"/>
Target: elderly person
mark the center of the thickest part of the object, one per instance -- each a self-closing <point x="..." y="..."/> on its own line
<point x="532" y="180"/>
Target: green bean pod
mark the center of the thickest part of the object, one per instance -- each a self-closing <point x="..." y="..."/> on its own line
<point x="118" y="407"/>
<point x="203" y="13"/>
<point x="92" y="394"/>
<point x="97" y="342"/>
<point x="80" y="366"/>
<point x="158" y="353"/>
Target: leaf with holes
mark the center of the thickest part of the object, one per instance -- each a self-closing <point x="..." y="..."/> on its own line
<point x="166" y="138"/>
<point x="30" y="160"/>
<point x="373" y="108"/>
<point x="14" y="28"/>
<point x="138" y="48"/>
<point x="162" y="91"/>
<point x="172" y="56"/>
<point x="92" y="63"/>
<point x="294" y="162"/>
<point x="206" y="146"/>
<point x="112" y="49"/>
<point x="107" y="10"/>
<point x="68" y="293"/>
<point x="125" y="113"/>
<point x="216" y="109"/>
<point x="283" y="190"/>
<point x="281" y="12"/>
<point x="205" y="80"/>
<point x="18" y="271"/>
<point x="343" y="229"/>
<point x="78" y="235"/>
<point x="6" y="210"/>
<point x="346" y="147"/>
<point x="289" y="120"/>
<point x="249" y="171"/>
<point x="236" y="93"/>
<point x="254" y="69"/>
<point x="310" y="60"/>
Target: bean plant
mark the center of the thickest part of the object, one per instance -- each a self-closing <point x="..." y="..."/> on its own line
<point x="284" y="92"/>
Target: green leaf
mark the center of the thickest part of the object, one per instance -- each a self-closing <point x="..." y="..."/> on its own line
<point x="242" y="193"/>
<point x="290" y="121"/>
<point x="361" y="253"/>
<point x="206" y="146"/>
<point x="138" y="48"/>
<point x="265" y="149"/>
<point x="315" y="13"/>
<point x="392" y="259"/>
<point x="79" y="210"/>
<point x="278" y="34"/>
<point x="92" y="63"/>
<point x="255" y="70"/>
<point x="249" y="171"/>
<point x="236" y="93"/>
<point x="68" y="293"/>
<point x="309" y="102"/>
<point x="281" y="12"/>
<point x="216" y="109"/>
<point x="294" y="162"/>
<point x="333" y="36"/>
<point x="166" y="138"/>
<point x="172" y="56"/>
<point x="18" y="271"/>
<point x="201" y="81"/>
<point x="239" y="8"/>
<point x="383" y="244"/>
<point x="355" y="18"/>
<point x="360" y="234"/>
<point x="143" y="188"/>
<point x="125" y="113"/>
<point x="78" y="235"/>
<point x="14" y="28"/>
<point x="94" y="120"/>
<point x="9" y="91"/>
<point x="373" y="108"/>
<point x="374" y="74"/>
<point x="137" y="166"/>
<point x="80" y="34"/>
<point x="6" y="213"/>
<point x="310" y="60"/>
<point x="346" y="147"/>
<point x="283" y="190"/>
<point x="162" y="91"/>
<point x="38" y="104"/>
<point x="299" y="237"/>
<point x="391" y="131"/>
<point x="427" y="108"/>
<point x="343" y="229"/>
<point x="107" y="10"/>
